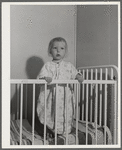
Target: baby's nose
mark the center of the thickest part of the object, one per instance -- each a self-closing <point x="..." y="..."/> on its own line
<point x="58" y="49"/>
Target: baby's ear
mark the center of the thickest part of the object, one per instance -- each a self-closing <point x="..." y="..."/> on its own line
<point x="50" y="54"/>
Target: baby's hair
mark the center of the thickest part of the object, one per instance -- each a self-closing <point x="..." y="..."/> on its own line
<point x="57" y="39"/>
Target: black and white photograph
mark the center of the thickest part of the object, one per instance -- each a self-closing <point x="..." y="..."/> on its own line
<point x="61" y="75"/>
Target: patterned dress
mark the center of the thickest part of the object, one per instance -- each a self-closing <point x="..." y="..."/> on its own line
<point x="60" y="71"/>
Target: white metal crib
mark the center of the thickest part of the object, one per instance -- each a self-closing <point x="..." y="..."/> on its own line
<point x="91" y="101"/>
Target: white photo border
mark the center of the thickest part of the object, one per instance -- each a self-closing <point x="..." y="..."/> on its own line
<point x="6" y="74"/>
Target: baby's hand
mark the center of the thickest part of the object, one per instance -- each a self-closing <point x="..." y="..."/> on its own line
<point x="79" y="77"/>
<point x="48" y="79"/>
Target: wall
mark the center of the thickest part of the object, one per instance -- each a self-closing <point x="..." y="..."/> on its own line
<point x="32" y="27"/>
<point x="97" y="35"/>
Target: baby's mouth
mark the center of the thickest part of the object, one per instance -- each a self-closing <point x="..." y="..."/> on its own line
<point x="58" y="55"/>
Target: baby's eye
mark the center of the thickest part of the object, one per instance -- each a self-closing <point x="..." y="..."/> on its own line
<point x="54" y="47"/>
<point x="62" y="47"/>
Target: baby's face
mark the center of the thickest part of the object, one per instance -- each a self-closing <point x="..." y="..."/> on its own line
<point x="58" y="50"/>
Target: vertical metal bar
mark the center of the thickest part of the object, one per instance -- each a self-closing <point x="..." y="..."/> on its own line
<point x="91" y="96"/>
<point x="115" y="113"/>
<point x="77" y="114"/>
<point x="87" y="113"/>
<point x="26" y="102"/>
<point x="79" y="89"/>
<point x="95" y="85"/>
<point x="45" y="119"/>
<point x="56" y="114"/>
<point x="11" y="117"/>
<point x="87" y="77"/>
<point x="87" y="74"/>
<point x="67" y="114"/>
<point x="100" y="116"/>
<point x="83" y="100"/>
<point x="21" y="108"/>
<point x="75" y="102"/>
<point x="112" y="74"/>
<point x="96" y="109"/>
<point x="96" y="105"/>
<point x="105" y="112"/>
<point x="33" y="117"/>
<point x="87" y="94"/>
<point x="18" y="100"/>
<point x="105" y="117"/>
<point x="79" y="106"/>
<point x="96" y="76"/>
<point x="112" y="106"/>
<point x="106" y="74"/>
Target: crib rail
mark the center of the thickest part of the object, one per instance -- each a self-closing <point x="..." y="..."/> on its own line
<point x="103" y="72"/>
<point x="87" y="88"/>
<point x="101" y="66"/>
<point x="24" y="81"/>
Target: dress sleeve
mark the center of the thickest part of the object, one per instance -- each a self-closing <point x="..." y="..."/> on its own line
<point x="43" y="72"/>
<point x="74" y="72"/>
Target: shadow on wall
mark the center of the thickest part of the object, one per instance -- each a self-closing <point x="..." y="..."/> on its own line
<point x="32" y="68"/>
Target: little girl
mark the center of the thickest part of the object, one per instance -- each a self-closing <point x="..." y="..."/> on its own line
<point x="59" y="70"/>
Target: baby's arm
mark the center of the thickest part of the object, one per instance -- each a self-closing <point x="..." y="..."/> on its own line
<point x="48" y="79"/>
<point x="79" y="77"/>
<point x="44" y="73"/>
<point x="76" y="75"/>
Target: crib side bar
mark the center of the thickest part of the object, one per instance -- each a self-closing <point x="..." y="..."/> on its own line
<point x="75" y="101"/>
<point x="18" y="99"/>
<point x="87" y="92"/>
<point x="91" y="94"/>
<point x="56" y="114"/>
<point x="83" y="96"/>
<point x="61" y="81"/>
<point x="45" y="119"/>
<point x="100" y="116"/>
<point x="79" y="107"/>
<point x="96" y="111"/>
<point x="112" y="104"/>
<point x="21" y="114"/>
<point x="37" y="81"/>
<point x="96" y="104"/>
<point x="87" y="74"/>
<point x="96" y="74"/>
<point x="105" y="112"/>
<point x="112" y="73"/>
<point x="67" y="114"/>
<point x="33" y="115"/>
<point x="115" y="113"/>
<point x="79" y="102"/>
<point x="26" y="102"/>
<point x="77" y="118"/>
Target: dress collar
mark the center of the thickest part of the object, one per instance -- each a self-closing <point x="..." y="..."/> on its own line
<point x="54" y="62"/>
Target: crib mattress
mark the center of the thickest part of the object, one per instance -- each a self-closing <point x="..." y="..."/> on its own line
<point x="61" y="140"/>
